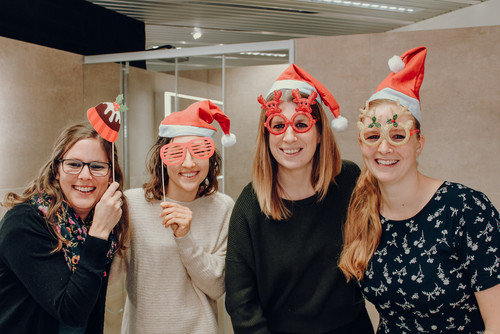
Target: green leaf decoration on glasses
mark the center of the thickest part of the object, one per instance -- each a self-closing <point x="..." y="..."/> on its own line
<point x="374" y="123"/>
<point x="393" y="120"/>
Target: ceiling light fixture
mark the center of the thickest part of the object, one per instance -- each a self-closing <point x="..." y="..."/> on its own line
<point x="196" y="33"/>
<point x="367" y="5"/>
<point x="265" y="54"/>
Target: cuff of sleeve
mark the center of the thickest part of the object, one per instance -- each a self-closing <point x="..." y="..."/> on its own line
<point x="94" y="253"/>
<point x="184" y="241"/>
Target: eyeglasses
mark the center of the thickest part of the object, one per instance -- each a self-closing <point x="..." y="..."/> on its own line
<point x="74" y="166"/>
<point x="394" y="135"/>
<point x="301" y="122"/>
<point x="174" y="153"/>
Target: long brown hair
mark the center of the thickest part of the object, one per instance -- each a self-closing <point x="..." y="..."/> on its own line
<point x="327" y="163"/>
<point x="363" y="227"/>
<point x="154" y="188"/>
<point x="47" y="182"/>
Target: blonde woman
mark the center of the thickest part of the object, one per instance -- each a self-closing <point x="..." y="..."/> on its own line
<point x="425" y="251"/>
<point x="285" y="232"/>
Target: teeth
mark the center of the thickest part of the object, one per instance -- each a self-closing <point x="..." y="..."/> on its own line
<point x="387" y="162"/>
<point x="84" y="189"/>
<point x="291" y="151"/>
<point x="188" y="174"/>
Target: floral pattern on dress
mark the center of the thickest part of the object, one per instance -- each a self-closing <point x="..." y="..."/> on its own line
<point x="425" y="270"/>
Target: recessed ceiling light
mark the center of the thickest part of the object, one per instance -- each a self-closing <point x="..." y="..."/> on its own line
<point x="196" y="33"/>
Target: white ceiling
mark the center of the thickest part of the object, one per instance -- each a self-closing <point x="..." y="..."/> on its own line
<point x="230" y="22"/>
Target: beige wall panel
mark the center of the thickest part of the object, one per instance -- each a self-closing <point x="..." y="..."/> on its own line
<point x="40" y="93"/>
<point x="460" y="95"/>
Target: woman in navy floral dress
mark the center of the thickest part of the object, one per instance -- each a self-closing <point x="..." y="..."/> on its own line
<point x="425" y="252"/>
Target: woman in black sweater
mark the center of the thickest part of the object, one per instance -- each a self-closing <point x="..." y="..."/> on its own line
<point x="285" y="233"/>
<point x="59" y="237"/>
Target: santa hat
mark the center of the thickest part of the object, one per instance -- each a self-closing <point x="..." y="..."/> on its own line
<point x="295" y="77"/>
<point x="195" y="121"/>
<point x="404" y="82"/>
<point x="105" y="118"/>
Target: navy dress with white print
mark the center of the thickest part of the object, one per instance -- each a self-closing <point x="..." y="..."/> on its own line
<point x="423" y="274"/>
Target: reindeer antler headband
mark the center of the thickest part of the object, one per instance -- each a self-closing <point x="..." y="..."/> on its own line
<point x="303" y="103"/>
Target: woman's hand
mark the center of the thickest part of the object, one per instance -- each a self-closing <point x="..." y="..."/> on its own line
<point x="107" y="212"/>
<point x="177" y="217"/>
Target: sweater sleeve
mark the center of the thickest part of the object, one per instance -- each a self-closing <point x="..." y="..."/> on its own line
<point x="242" y="296"/>
<point x="26" y="247"/>
<point x="206" y="268"/>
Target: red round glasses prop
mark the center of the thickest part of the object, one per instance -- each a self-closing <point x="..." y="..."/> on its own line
<point x="277" y="123"/>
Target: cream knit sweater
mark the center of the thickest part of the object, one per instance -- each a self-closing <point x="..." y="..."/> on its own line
<point x="173" y="283"/>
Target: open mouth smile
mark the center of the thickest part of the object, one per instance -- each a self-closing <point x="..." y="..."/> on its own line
<point x="83" y="189"/>
<point x="189" y="175"/>
<point x="386" y="162"/>
<point x="291" y="151"/>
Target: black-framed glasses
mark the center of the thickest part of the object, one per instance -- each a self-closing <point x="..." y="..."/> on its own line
<point x="74" y="167"/>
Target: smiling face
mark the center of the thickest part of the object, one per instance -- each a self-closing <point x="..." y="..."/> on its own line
<point x="391" y="163"/>
<point x="82" y="191"/>
<point x="184" y="179"/>
<point x="294" y="151"/>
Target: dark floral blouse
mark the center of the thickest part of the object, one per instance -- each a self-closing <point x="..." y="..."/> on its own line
<point x="423" y="274"/>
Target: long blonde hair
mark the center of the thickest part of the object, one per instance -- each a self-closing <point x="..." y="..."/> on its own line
<point x="363" y="227"/>
<point x="47" y="182"/>
<point x="327" y="163"/>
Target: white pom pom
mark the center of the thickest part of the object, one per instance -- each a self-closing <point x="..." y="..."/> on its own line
<point x="228" y="140"/>
<point x="339" y="124"/>
<point x="396" y="64"/>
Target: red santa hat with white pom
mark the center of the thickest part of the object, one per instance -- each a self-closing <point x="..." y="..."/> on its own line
<point x="196" y="121"/>
<point x="404" y="82"/>
<point x="295" y="77"/>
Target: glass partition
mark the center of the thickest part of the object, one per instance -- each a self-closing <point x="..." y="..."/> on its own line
<point x="171" y="80"/>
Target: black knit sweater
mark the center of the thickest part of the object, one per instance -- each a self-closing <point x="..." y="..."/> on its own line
<point x="37" y="289"/>
<point x="282" y="276"/>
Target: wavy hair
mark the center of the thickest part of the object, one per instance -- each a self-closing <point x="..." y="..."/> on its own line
<point x="46" y="182"/>
<point x="153" y="188"/>
<point x="363" y="228"/>
<point x="327" y="163"/>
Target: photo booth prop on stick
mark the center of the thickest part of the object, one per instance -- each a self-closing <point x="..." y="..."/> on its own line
<point x="105" y="118"/>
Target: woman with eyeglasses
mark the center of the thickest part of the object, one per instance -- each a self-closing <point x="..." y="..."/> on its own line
<point x="425" y="251"/>
<point x="59" y="237"/>
<point x="179" y="221"/>
<point x="285" y="233"/>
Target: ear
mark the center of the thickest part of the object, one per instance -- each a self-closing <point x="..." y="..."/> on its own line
<point x="420" y="145"/>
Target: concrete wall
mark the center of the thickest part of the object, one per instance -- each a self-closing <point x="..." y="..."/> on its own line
<point x="41" y="92"/>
